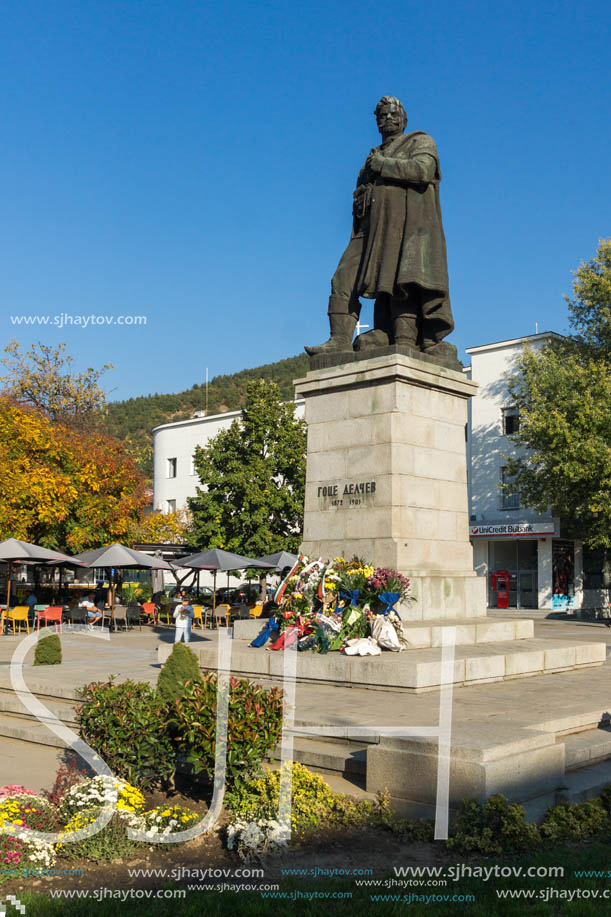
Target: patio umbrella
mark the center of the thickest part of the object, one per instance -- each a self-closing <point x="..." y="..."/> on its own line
<point x="14" y="551"/>
<point x="215" y="559"/>
<point x="281" y="560"/>
<point x="118" y="556"/>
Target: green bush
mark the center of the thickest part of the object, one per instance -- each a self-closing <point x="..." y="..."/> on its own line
<point x="48" y="651"/>
<point x="495" y="828"/>
<point x="126" y="725"/>
<point x="180" y="667"/>
<point x="573" y="822"/>
<point x="254" y="728"/>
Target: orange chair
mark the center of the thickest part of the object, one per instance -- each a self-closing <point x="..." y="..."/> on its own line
<point x="19" y="614"/>
<point x="53" y="614"/>
<point x="150" y="610"/>
<point x="198" y="615"/>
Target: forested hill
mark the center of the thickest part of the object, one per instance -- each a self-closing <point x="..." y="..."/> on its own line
<point x="133" y="420"/>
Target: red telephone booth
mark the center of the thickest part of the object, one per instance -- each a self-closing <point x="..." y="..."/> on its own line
<point x="500" y="584"/>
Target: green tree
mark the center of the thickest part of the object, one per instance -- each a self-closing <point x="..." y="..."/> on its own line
<point x="253" y="478"/>
<point x="563" y="393"/>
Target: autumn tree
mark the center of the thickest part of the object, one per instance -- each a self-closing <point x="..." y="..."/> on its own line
<point x="63" y="488"/>
<point x="43" y="378"/>
<point x="563" y="394"/>
<point x="253" y="479"/>
<point x="163" y="528"/>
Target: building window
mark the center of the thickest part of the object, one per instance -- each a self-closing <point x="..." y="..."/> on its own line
<point x="171" y="506"/>
<point x="171" y="467"/>
<point x="510" y="498"/>
<point x="193" y="471"/>
<point x="511" y="421"/>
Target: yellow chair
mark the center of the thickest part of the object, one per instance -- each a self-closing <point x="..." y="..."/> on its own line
<point x="257" y="611"/>
<point x="166" y="612"/>
<point x="19" y="614"/>
<point x="198" y="615"/>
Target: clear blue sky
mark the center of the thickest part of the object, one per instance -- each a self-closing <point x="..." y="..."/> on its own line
<point x="194" y="162"/>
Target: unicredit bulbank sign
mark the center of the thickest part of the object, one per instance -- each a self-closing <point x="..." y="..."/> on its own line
<point x="503" y="529"/>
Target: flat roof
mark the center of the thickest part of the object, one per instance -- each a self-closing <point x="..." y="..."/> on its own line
<point x="523" y="340"/>
<point x="207" y="417"/>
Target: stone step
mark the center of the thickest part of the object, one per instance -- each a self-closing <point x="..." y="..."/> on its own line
<point x="329" y="757"/>
<point x="586" y="782"/>
<point x="28" y="730"/>
<point x="582" y="748"/>
<point x="413" y="671"/>
<point x="10" y="704"/>
<point x="424" y="634"/>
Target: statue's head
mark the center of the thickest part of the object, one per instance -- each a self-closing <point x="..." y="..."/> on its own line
<point x="390" y="115"/>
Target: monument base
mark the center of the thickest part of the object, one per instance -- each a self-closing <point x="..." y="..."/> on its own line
<point x="386" y="476"/>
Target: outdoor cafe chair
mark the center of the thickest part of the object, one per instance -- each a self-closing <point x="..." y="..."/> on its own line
<point x="19" y="614"/>
<point x="76" y="615"/>
<point x="241" y="612"/>
<point x="150" y="610"/>
<point x="165" y="612"/>
<point x="133" y="616"/>
<point x="256" y="611"/>
<point x="116" y="615"/>
<point x="198" y="615"/>
<point x="53" y="613"/>
<point x="221" y="614"/>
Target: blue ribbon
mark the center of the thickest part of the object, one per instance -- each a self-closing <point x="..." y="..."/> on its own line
<point x="271" y="628"/>
<point x="351" y="594"/>
<point x="388" y="600"/>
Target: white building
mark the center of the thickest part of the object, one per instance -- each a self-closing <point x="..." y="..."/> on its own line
<point x="506" y="535"/>
<point x="174" y="476"/>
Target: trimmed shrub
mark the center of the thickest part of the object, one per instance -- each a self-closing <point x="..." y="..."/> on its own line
<point x="48" y="651"/>
<point x="180" y="667"/>
<point x="126" y="725"/>
<point x="254" y="728"/>
<point x="495" y="828"/>
<point x="573" y="822"/>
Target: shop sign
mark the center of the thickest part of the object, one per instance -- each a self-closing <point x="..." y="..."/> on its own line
<point x="503" y="529"/>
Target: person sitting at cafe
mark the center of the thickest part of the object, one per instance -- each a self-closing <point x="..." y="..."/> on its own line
<point x="93" y="612"/>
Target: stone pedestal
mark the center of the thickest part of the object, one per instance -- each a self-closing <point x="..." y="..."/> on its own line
<point x="387" y="476"/>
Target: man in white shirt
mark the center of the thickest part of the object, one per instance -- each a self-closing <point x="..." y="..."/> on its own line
<point x="93" y="612"/>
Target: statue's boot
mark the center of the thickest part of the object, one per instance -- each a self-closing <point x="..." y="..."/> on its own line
<point x="405" y="330"/>
<point x="342" y="331"/>
<point x="370" y="340"/>
<point x="435" y="348"/>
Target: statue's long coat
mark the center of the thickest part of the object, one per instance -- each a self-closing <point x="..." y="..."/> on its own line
<point x="405" y="243"/>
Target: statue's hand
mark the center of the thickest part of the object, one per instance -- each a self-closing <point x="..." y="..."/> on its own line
<point x="375" y="161"/>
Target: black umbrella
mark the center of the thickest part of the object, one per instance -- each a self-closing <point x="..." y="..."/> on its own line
<point x="14" y="551"/>
<point x="281" y="560"/>
<point x="118" y="556"/>
<point x="215" y="559"/>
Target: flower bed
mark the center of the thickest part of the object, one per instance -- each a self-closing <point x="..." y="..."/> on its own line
<point x="80" y="805"/>
<point x="339" y="605"/>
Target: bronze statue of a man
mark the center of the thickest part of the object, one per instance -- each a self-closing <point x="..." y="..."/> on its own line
<point x="397" y="251"/>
